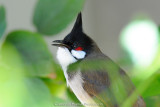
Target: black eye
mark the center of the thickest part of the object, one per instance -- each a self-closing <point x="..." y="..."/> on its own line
<point x="74" y="46"/>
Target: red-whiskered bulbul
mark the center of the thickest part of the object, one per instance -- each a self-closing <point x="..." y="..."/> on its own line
<point x="101" y="87"/>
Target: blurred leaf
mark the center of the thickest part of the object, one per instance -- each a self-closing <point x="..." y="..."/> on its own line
<point x="52" y="16"/>
<point x="57" y="87"/>
<point x="11" y="73"/>
<point x="148" y="79"/>
<point x="141" y="89"/>
<point x="154" y="88"/>
<point x="36" y="93"/>
<point x="152" y="101"/>
<point x="33" y="50"/>
<point x="10" y="57"/>
<point x="59" y="72"/>
<point x="2" y="20"/>
<point x="17" y="90"/>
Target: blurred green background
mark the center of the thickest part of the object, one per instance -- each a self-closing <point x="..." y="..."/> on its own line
<point x="126" y="31"/>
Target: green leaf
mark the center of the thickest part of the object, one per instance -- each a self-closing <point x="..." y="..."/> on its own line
<point x="16" y="89"/>
<point x="57" y="87"/>
<point x="52" y="16"/>
<point x="11" y="73"/>
<point x="36" y="93"/>
<point x="2" y="20"/>
<point x="34" y="52"/>
<point x="153" y="101"/>
<point x="154" y="88"/>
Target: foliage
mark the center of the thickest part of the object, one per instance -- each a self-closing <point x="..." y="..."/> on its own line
<point x="17" y="89"/>
<point x="52" y="16"/>
<point x="145" y="73"/>
<point x="30" y="77"/>
<point x="33" y="51"/>
<point x="2" y="21"/>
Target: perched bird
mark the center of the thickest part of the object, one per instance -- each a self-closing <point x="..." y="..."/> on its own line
<point x="92" y="76"/>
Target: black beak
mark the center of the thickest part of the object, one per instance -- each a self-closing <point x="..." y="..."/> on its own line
<point x="60" y="43"/>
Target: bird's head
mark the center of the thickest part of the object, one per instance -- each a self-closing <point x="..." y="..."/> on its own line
<point x="76" y="43"/>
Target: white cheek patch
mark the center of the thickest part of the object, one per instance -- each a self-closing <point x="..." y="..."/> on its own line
<point x="78" y="54"/>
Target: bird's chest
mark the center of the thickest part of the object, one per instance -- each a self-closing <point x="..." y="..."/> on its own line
<point x="76" y="85"/>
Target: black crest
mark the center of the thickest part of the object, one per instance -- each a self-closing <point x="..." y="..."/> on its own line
<point x="78" y="23"/>
<point x="77" y="31"/>
<point x="77" y="38"/>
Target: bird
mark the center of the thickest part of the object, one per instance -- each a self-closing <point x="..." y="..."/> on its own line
<point x="93" y="77"/>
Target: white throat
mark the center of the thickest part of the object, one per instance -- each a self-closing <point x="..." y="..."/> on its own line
<point x="65" y="58"/>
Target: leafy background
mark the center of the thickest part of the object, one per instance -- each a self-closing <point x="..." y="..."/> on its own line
<point x="30" y="77"/>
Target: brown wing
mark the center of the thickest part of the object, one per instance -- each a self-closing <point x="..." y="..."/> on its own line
<point x="95" y="83"/>
<point x="110" y="87"/>
<point x="98" y="85"/>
